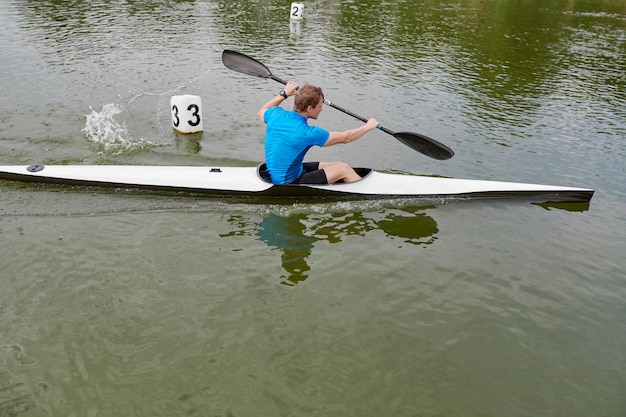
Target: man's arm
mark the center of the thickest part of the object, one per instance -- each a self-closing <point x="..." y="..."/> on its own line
<point x="290" y="90"/>
<point x="352" y="134"/>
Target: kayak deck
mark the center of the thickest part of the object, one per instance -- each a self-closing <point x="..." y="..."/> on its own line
<point x="247" y="181"/>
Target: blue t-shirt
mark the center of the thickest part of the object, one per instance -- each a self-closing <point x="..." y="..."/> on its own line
<point x="288" y="137"/>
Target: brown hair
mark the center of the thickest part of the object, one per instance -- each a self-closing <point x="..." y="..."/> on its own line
<point x="308" y="95"/>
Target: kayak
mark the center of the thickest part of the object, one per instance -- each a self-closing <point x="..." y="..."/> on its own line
<point x="254" y="182"/>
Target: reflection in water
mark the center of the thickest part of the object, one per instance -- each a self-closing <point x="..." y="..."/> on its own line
<point x="189" y="143"/>
<point x="295" y="28"/>
<point x="295" y="235"/>
<point x="288" y="235"/>
<point x="567" y="206"/>
<point x="418" y="228"/>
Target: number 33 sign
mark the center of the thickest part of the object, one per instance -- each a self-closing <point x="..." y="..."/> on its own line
<point x="186" y="113"/>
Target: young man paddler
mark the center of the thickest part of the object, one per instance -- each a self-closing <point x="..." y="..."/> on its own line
<point x="288" y="137"/>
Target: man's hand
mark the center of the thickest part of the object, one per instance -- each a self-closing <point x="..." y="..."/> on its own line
<point x="372" y="124"/>
<point x="291" y="87"/>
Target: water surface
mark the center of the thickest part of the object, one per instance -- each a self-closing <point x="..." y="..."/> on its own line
<point x="118" y="303"/>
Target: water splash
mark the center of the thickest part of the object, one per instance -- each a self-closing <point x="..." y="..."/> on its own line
<point x="110" y="134"/>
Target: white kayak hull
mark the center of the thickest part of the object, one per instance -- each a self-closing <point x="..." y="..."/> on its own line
<point x="246" y="181"/>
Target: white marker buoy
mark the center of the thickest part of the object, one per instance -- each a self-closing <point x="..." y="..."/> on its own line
<point x="186" y="113"/>
<point x="297" y="11"/>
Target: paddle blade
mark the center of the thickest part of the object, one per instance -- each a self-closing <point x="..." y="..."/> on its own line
<point x="239" y="62"/>
<point x="423" y="144"/>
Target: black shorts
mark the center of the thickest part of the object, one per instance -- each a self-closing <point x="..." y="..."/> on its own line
<point x="311" y="174"/>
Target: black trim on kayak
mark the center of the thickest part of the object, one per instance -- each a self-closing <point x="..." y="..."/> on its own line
<point x="264" y="174"/>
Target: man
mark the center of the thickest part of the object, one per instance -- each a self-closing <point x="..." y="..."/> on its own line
<point x="288" y="137"/>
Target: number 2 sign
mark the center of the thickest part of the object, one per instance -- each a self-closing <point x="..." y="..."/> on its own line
<point x="297" y="10"/>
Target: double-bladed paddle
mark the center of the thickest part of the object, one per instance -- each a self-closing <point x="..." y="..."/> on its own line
<point x="239" y="62"/>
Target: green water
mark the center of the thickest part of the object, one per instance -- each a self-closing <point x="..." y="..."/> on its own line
<point x="119" y="303"/>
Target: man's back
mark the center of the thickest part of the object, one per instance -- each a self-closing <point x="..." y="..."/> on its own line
<point x="288" y="138"/>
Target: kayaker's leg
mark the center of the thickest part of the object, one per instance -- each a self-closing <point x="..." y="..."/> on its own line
<point x="336" y="171"/>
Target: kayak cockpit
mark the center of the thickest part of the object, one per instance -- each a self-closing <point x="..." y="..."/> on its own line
<point x="265" y="176"/>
